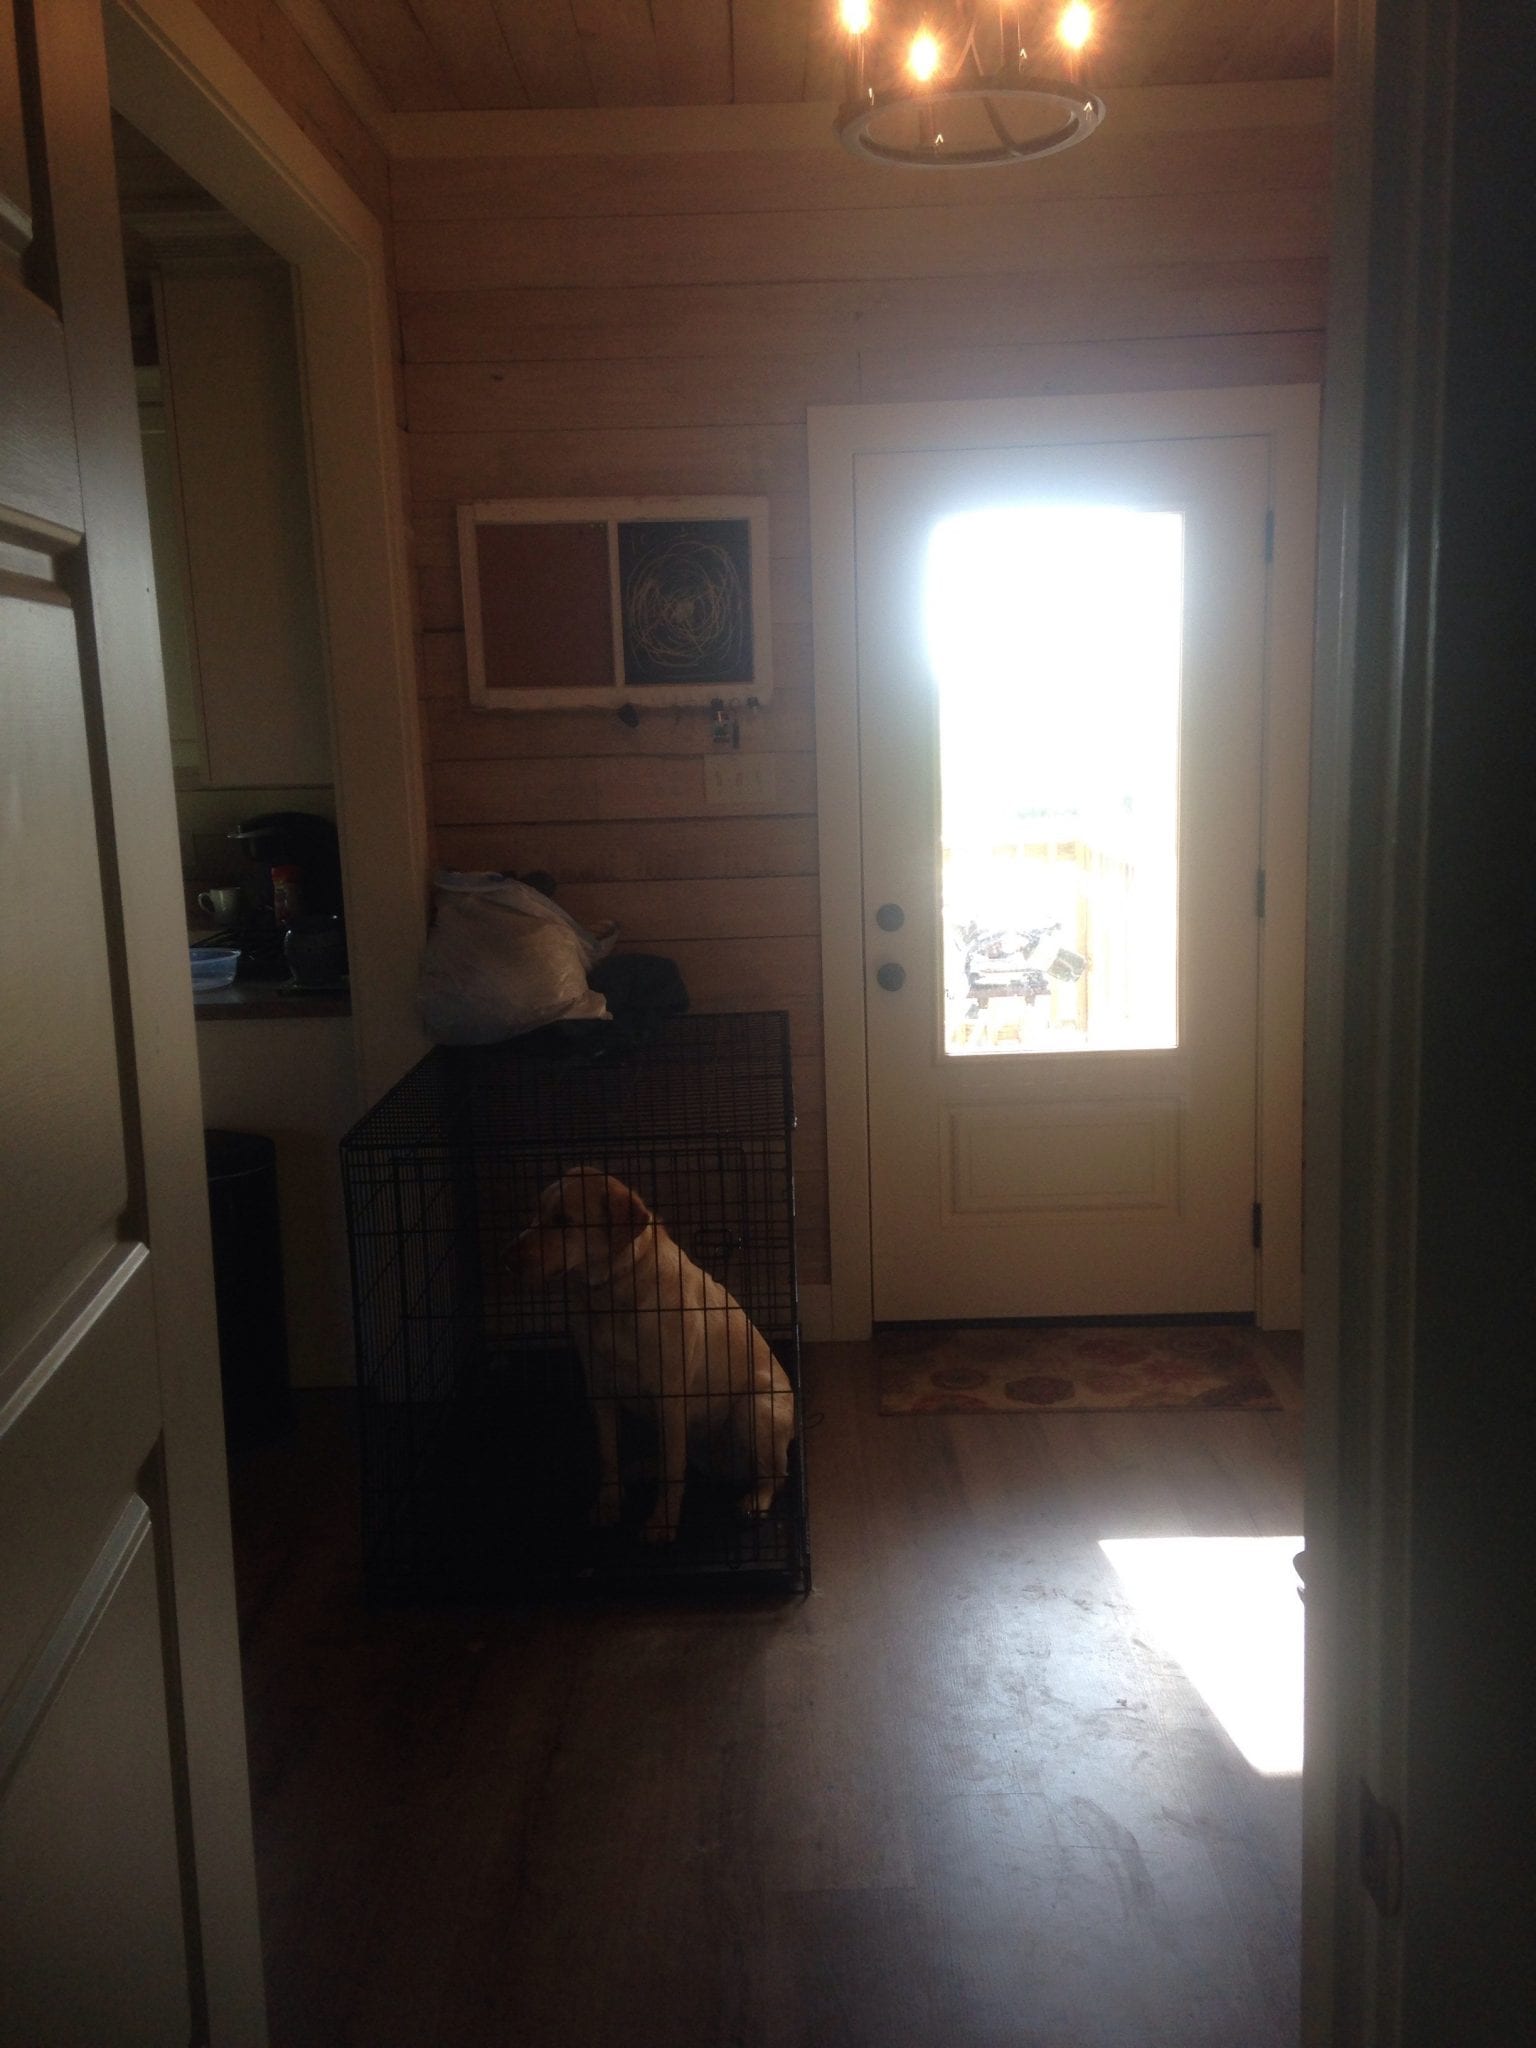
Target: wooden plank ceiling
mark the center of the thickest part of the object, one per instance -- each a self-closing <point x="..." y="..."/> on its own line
<point x="438" y="55"/>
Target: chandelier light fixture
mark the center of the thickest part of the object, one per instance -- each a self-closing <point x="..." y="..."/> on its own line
<point x="955" y="84"/>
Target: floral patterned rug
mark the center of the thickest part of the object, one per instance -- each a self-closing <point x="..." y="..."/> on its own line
<point x="947" y="1369"/>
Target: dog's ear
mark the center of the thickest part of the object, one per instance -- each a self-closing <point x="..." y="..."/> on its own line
<point x="627" y="1214"/>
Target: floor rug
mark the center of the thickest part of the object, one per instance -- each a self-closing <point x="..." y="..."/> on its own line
<point x="949" y="1369"/>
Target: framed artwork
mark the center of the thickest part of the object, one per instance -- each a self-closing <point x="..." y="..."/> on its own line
<point x="592" y="603"/>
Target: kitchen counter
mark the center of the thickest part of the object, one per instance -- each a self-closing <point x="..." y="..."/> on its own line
<point x="253" y="995"/>
<point x="269" y="1000"/>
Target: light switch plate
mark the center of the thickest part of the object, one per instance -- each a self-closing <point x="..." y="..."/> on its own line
<point x="739" y="779"/>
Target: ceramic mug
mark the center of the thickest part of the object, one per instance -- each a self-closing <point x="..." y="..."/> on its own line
<point x="223" y="904"/>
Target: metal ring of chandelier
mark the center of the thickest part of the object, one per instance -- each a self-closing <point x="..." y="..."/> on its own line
<point x="1083" y="111"/>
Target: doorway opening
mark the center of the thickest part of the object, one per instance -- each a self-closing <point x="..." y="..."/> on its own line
<point x="225" y="446"/>
<point x="1127" y="1154"/>
<point x="257" y="288"/>
<point x="1061" y="682"/>
<point x="198" y="106"/>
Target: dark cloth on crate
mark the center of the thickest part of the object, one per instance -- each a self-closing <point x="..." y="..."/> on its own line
<point x="642" y="990"/>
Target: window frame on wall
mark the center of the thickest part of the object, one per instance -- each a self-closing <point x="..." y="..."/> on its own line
<point x="735" y="691"/>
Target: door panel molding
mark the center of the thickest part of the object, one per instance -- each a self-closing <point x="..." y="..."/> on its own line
<point x="24" y="1712"/>
<point x="89" y="1405"/>
<point x="1285" y="415"/>
<point x="90" y="1864"/>
<point x="1083" y="1159"/>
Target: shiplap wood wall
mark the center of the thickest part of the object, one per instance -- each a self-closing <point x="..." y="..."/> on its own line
<point x="266" y="34"/>
<point x="649" y="308"/>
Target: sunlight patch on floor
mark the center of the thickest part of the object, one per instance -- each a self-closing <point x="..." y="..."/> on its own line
<point x="1225" y="1609"/>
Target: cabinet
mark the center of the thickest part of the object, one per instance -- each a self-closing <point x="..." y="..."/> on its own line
<point x="226" y="467"/>
<point x="183" y="698"/>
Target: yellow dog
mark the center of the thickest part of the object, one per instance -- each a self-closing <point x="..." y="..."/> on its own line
<point x="660" y="1335"/>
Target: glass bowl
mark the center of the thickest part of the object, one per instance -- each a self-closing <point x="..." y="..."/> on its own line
<point x="213" y="966"/>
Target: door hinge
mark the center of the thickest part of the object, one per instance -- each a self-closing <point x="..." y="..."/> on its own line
<point x="1381" y="1853"/>
<point x="1258" y="1226"/>
<point x="1269" y="534"/>
<point x="1260" y="892"/>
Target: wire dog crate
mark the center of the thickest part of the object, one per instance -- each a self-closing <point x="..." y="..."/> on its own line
<point x="552" y="1387"/>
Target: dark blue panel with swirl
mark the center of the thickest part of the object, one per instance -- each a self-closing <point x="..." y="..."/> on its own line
<point x="686" y="597"/>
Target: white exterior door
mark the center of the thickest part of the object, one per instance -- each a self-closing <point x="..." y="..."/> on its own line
<point x="127" y="1898"/>
<point x="1060" y="676"/>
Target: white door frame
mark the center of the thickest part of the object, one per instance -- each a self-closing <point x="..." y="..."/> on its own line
<point x="176" y="79"/>
<point x="1287" y="415"/>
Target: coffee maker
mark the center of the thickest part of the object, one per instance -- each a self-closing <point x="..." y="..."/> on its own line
<point x="294" y="875"/>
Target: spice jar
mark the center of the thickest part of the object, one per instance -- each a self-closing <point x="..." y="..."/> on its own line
<point x="287" y="896"/>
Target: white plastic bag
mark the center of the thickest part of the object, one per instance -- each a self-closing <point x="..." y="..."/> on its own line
<point x="503" y="959"/>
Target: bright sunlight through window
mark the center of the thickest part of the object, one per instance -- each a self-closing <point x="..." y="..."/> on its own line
<point x="1055" y="637"/>
<point x="1225" y="1609"/>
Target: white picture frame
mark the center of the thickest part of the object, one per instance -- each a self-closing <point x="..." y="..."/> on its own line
<point x="712" y="616"/>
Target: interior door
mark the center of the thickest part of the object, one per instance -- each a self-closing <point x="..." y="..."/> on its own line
<point x="125" y="1855"/>
<point x="1060" y="710"/>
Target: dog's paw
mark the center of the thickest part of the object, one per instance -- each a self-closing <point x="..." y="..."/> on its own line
<point x="759" y="1503"/>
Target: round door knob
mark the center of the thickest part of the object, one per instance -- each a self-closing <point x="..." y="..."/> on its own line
<point x="890" y="976"/>
<point x="890" y="917"/>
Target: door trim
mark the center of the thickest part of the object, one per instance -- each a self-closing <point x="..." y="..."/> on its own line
<point x="1287" y="416"/>
<point x="174" y="76"/>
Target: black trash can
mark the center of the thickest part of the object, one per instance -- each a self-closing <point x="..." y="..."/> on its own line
<point x="248" y="1285"/>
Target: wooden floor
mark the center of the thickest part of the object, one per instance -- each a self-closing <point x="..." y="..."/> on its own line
<point x="951" y="1798"/>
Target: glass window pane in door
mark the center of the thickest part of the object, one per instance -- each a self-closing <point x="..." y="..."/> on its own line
<point x="1055" y="639"/>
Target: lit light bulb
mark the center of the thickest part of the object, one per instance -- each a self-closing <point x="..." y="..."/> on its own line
<point x="1076" y="25"/>
<point x="923" y="57"/>
<point x="855" y="15"/>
